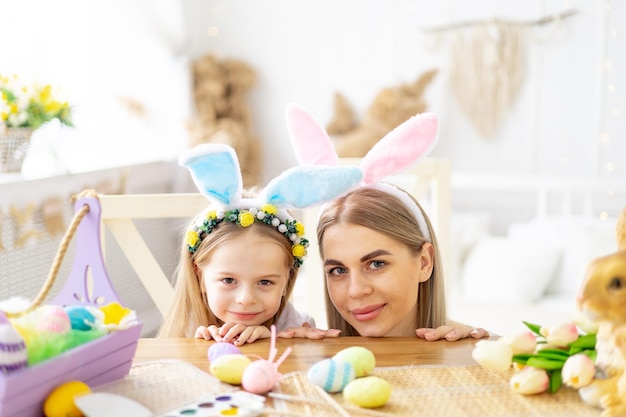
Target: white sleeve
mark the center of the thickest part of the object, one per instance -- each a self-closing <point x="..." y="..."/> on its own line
<point x="290" y="317"/>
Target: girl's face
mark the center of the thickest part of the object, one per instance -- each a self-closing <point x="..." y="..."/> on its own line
<point x="373" y="280"/>
<point x="245" y="279"/>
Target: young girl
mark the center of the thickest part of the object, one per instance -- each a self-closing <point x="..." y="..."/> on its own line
<point x="380" y="254"/>
<point x="240" y="258"/>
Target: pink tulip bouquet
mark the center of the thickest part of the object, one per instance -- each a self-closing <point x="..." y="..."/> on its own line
<point x="543" y="357"/>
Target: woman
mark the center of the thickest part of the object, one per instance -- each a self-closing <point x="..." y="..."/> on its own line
<point x="383" y="269"/>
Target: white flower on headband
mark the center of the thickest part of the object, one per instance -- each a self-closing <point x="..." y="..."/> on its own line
<point x="215" y="171"/>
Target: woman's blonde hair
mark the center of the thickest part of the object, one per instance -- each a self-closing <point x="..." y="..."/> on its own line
<point x="384" y="213"/>
<point x="189" y="308"/>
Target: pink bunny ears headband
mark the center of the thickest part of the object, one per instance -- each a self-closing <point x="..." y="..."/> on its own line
<point x="216" y="173"/>
<point x="397" y="151"/>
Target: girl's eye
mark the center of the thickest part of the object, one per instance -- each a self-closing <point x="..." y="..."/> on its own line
<point x="228" y="281"/>
<point x="338" y="270"/>
<point x="265" y="282"/>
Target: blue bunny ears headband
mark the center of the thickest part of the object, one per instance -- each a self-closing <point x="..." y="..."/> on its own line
<point x="398" y="150"/>
<point x="216" y="173"/>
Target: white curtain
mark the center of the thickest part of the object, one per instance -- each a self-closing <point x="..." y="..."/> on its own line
<point x="121" y="64"/>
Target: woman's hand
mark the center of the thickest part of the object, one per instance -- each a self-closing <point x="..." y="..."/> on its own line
<point x="451" y="332"/>
<point x="237" y="334"/>
<point x="307" y="332"/>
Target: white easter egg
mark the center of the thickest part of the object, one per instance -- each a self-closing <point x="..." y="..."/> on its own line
<point x="361" y="358"/>
<point x="229" y="368"/>
<point x="13" y="353"/>
<point x="369" y="392"/>
<point x="331" y="375"/>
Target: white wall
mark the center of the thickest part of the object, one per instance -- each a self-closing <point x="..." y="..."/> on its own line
<point x="305" y="50"/>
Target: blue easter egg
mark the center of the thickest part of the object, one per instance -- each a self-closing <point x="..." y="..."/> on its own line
<point x="221" y="348"/>
<point x="80" y="317"/>
<point x="330" y="374"/>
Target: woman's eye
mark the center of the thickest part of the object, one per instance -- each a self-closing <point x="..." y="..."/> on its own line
<point x="265" y="282"/>
<point x="338" y="270"/>
<point x="228" y="281"/>
<point x="377" y="264"/>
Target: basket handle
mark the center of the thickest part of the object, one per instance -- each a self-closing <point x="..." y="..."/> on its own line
<point x="86" y="225"/>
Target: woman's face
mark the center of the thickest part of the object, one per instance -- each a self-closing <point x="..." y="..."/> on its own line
<point x="373" y="280"/>
<point x="245" y="279"/>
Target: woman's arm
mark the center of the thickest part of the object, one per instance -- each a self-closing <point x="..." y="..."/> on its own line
<point x="451" y="332"/>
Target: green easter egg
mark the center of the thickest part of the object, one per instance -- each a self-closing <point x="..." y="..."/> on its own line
<point x="362" y="359"/>
<point x="368" y="392"/>
<point x="229" y="367"/>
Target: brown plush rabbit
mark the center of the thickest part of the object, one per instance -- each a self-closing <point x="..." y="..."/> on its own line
<point x="603" y="298"/>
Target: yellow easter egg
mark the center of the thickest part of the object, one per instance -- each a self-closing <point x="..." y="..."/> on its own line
<point x="368" y="392"/>
<point x="229" y="367"/>
<point x="362" y="359"/>
<point x="60" y="402"/>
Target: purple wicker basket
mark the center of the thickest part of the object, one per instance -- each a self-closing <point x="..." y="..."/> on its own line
<point x="106" y="359"/>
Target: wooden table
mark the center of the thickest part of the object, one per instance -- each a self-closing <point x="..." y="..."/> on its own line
<point x="388" y="351"/>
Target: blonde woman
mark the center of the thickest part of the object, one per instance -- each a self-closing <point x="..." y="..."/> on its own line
<point x="383" y="269"/>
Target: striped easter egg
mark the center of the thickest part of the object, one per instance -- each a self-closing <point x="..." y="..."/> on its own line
<point x="13" y="354"/>
<point x="330" y="374"/>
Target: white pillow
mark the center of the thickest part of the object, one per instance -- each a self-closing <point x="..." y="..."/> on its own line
<point x="581" y="239"/>
<point x="506" y="269"/>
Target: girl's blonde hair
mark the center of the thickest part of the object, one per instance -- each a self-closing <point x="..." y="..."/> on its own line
<point x="189" y="308"/>
<point x="384" y="213"/>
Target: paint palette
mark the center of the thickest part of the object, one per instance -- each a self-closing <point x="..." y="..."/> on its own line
<point x="238" y="403"/>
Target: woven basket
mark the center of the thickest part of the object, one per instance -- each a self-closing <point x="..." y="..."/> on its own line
<point x="106" y="359"/>
<point x="14" y="145"/>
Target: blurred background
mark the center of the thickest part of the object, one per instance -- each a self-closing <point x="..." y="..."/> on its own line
<point x="530" y="96"/>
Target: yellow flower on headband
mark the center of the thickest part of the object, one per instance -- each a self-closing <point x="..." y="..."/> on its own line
<point x="298" y="251"/>
<point x="246" y="218"/>
<point x="299" y="228"/>
<point x="191" y="238"/>
<point x="269" y="209"/>
<point x="211" y="214"/>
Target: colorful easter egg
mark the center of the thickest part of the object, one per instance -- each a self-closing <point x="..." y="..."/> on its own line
<point x="331" y="375"/>
<point x="229" y="368"/>
<point x="13" y="353"/>
<point x="60" y="402"/>
<point x="80" y="317"/>
<point x="369" y="392"/>
<point x="218" y="349"/>
<point x="362" y="359"/>
<point x="53" y="319"/>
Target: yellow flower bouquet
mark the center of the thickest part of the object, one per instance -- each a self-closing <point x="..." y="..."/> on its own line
<point x="24" y="106"/>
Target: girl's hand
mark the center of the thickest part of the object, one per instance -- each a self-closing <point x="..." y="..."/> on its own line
<point x="307" y="332"/>
<point x="239" y="334"/>
<point x="208" y="333"/>
<point x="451" y="332"/>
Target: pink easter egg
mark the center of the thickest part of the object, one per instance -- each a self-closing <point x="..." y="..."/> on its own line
<point x="13" y="353"/>
<point x="259" y="377"/>
<point x="53" y="319"/>
<point x="221" y="348"/>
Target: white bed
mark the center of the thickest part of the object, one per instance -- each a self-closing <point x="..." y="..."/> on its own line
<point x="520" y="245"/>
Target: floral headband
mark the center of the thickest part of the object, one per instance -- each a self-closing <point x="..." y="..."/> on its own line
<point x="266" y="214"/>
<point x="215" y="171"/>
<point x="398" y="150"/>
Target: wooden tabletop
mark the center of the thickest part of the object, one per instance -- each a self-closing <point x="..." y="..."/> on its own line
<point x="388" y="351"/>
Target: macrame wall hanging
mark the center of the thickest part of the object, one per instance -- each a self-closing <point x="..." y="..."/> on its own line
<point x="487" y="66"/>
